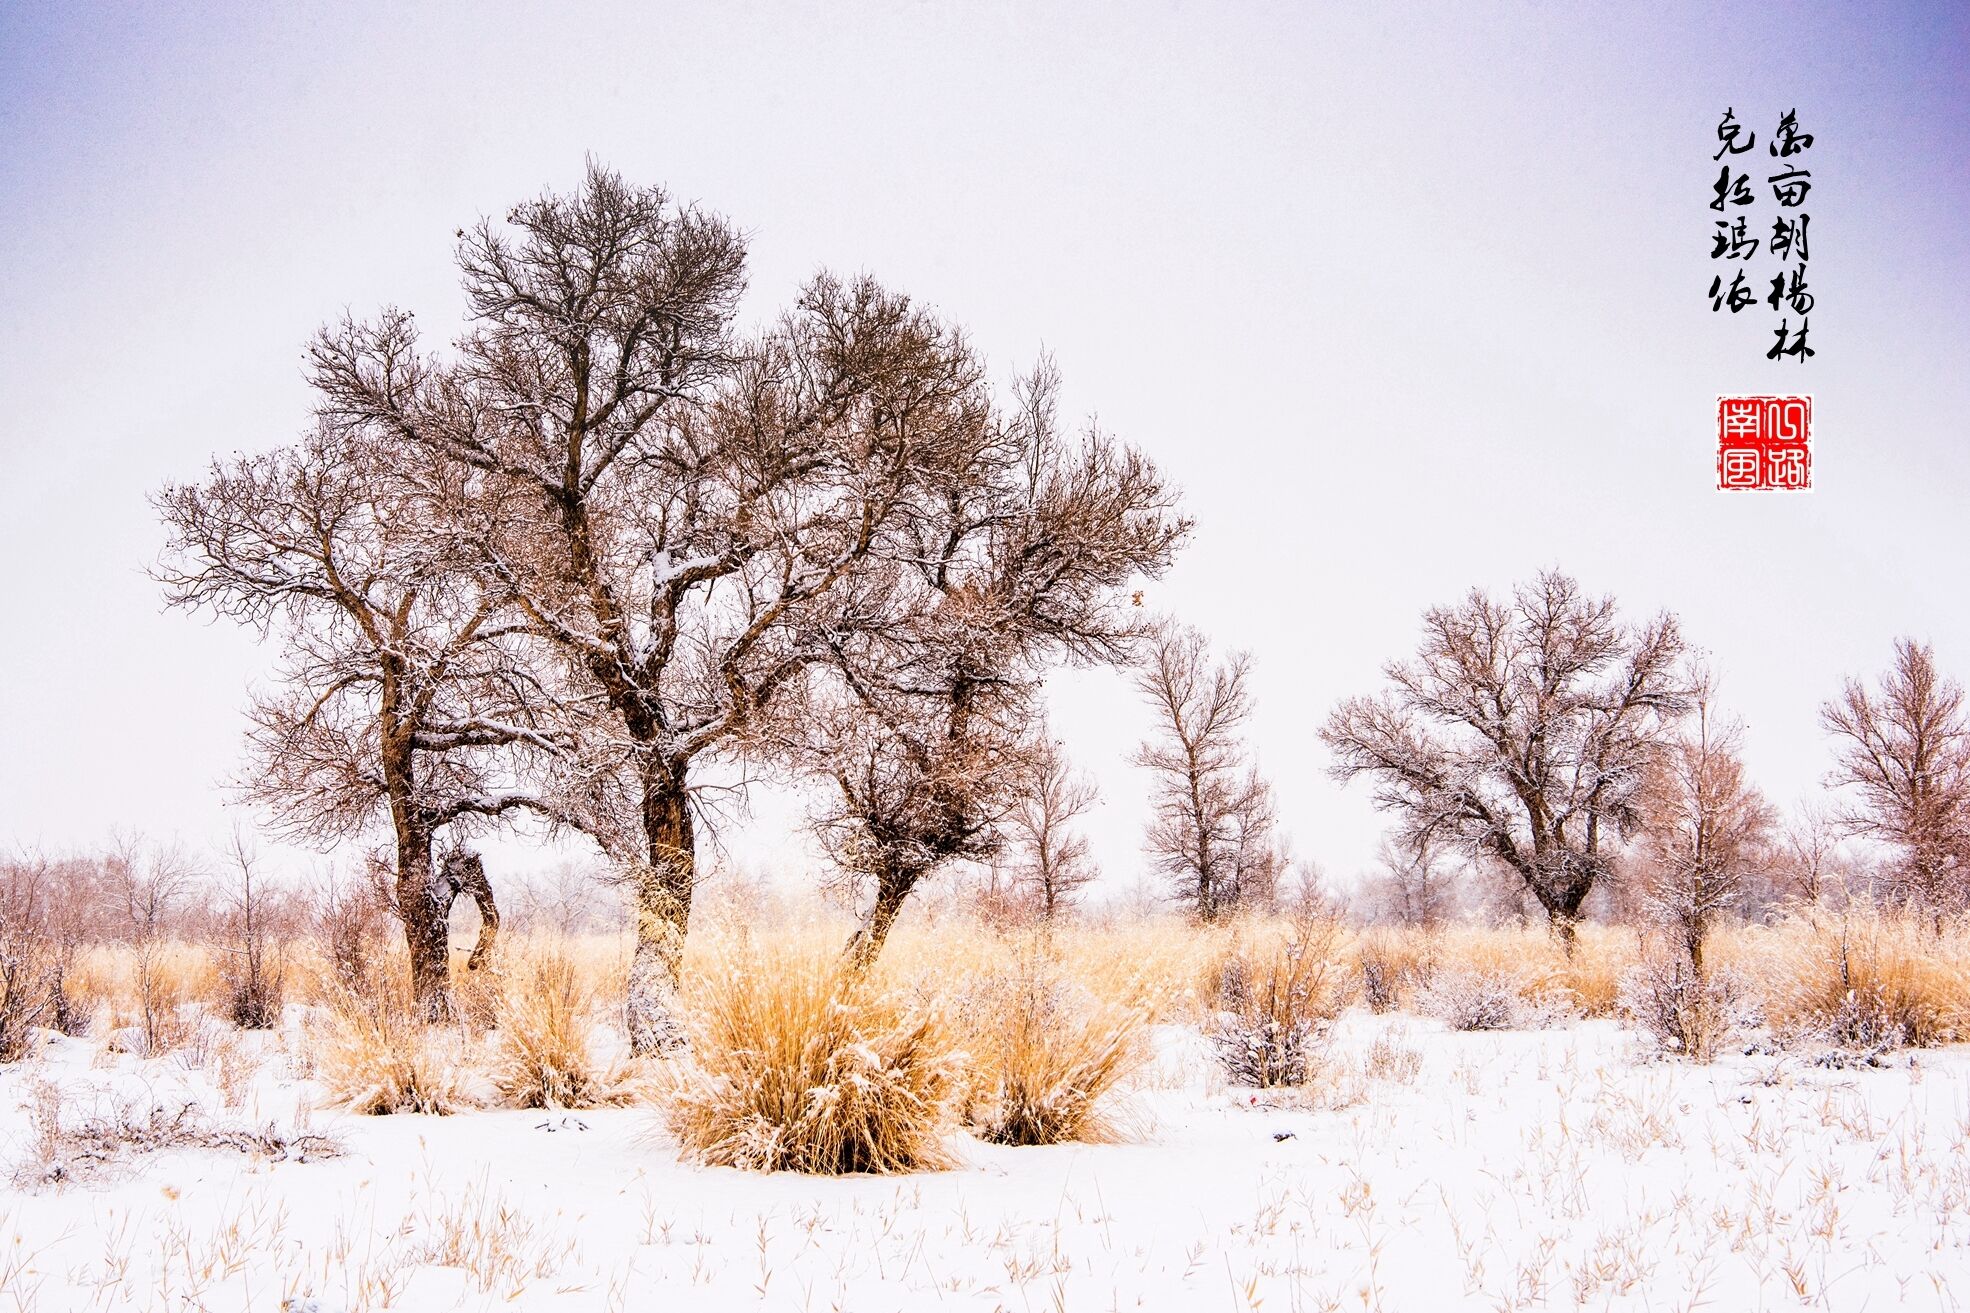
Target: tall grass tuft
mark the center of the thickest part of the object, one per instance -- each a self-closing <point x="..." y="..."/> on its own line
<point x="798" y="1063"/>
<point x="1864" y="980"/>
<point x="377" y="1058"/>
<point x="542" y="1058"/>
<point x="1047" y="1053"/>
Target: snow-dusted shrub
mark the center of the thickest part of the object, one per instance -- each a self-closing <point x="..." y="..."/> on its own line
<point x="1688" y="1012"/>
<point x="1467" y="999"/>
<point x="377" y="1058"/>
<point x="542" y="1058"/>
<point x="1046" y="1051"/>
<point x="63" y="1150"/>
<point x="800" y="1063"/>
<point x="1378" y="983"/>
<point x="25" y="1000"/>
<point x="1277" y="999"/>
<point x="26" y="965"/>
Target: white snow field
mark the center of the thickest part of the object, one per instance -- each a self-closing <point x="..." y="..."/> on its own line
<point x="1430" y="1170"/>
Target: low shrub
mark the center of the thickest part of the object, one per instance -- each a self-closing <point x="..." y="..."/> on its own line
<point x="1464" y="998"/>
<point x="1277" y="1000"/>
<point x="1688" y="1012"/>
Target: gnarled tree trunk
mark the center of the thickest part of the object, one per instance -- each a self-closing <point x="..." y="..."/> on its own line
<point x="866" y="943"/>
<point x="424" y="909"/>
<point x="662" y="887"/>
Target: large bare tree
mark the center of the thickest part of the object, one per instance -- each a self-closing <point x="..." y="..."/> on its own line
<point x="1018" y="558"/>
<point x="1211" y="829"/>
<point x="1522" y="731"/>
<point x="398" y="696"/>
<point x="684" y="498"/>
<point x="1904" y="749"/>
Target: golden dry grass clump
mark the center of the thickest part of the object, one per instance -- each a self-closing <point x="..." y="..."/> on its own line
<point x="798" y="1063"/>
<point x="1858" y="979"/>
<point x="1526" y="963"/>
<point x="544" y="1013"/>
<point x="375" y="1057"/>
<point x="1047" y="1052"/>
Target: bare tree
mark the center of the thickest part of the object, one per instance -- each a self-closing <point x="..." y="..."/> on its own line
<point x="1521" y="732"/>
<point x="1211" y="833"/>
<point x="399" y="684"/>
<point x="1707" y="830"/>
<point x="349" y="915"/>
<point x="1905" y="750"/>
<point x="1051" y="859"/>
<point x="1018" y="558"/>
<point x="1260" y="856"/>
<point x="686" y="497"/>
<point x="1813" y="864"/>
<point x="1416" y="884"/>
<point x="148" y="889"/>
<point x="256" y="924"/>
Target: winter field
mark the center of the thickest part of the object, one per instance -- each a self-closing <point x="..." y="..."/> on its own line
<point x="1554" y="1156"/>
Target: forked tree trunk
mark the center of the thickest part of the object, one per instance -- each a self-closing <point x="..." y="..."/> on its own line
<point x="427" y="932"/>
<point x="1562" y="892"/>
<point x="465" y="874"/>
<point x="662" y="887"/>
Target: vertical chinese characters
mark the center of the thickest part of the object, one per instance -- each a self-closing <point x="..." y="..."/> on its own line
<point x="1790" y="184"/>
<point x="1735" y="243"/>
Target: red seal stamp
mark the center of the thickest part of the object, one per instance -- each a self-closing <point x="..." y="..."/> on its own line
<point x="1764" y="444"/>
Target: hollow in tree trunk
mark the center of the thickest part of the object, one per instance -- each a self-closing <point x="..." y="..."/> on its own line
<point x="465" y="874"/>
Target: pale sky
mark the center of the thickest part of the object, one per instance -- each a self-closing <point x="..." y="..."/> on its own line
<point x="1407" y="298"/>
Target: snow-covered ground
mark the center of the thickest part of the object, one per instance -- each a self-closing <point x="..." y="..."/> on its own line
<point x="1430" y="1170"/>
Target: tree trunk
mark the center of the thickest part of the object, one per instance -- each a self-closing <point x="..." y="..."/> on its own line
<point x="427" y="933"/>
<point x="1566" y="929"/>
<point x="662" y="888"/>
<point x="465" y="873"/>
<point x="866" y="943"/>
<point x="1561" y="885"/>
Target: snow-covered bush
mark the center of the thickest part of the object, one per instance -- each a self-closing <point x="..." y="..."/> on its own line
<point x="1378" y="983"/>
<point x="1488" y="999"/>
<point x="1688" y="1012"/>
<point x="1277" y="999"/>
<point x="1046" y="1051"/>
<point x="25" y="997"/>
<point x="799" y="1063"/>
